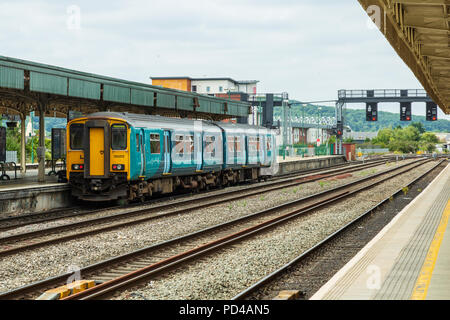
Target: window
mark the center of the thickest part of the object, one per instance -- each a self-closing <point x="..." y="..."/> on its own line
<point x="119" y="137"/>
<point x="210" y="147"/>
<point x="220" y="89"/>
<point x="190" y="144"/>
<point x="208" y="89"/>
<point x="237" y="145"/>
<point x="76" y="136"/>
<point x="231" y="144"/>
<point x="138" y="143"/>
<point x="194" y="88"/>
<point x="179" y="144"/>
<point x="252" y="144"/>
<point x="155" y="144"/>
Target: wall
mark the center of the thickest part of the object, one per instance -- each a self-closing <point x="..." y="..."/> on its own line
<point x="178" y="84"/>
<point x="37" y="199"/>
<point x="302" y="165"/>
<point x="214" y="85"/>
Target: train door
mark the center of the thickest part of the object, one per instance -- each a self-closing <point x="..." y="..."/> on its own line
<point x="198" y="149"/>
<point x="97" y="149"/>
<point x="156" y="153"/>
<point x="138" y="159"/>
<point x="167" y="152"/>
<point x="262" y="149"/>
<point x="269" y="150"/>
<point x="143" y="153"/>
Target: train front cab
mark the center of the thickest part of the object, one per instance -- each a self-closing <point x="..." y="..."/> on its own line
<point x="98" y="158"/>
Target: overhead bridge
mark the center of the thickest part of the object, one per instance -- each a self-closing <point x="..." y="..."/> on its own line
<point x="419" y="32"/>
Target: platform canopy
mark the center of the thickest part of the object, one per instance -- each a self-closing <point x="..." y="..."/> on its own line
<point x="28" y="86"/>
<point x="419" y="32"/>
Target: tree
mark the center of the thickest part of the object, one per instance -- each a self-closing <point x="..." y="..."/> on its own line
<point x="13" y="139"/>
<point x="419" y="127"/>
<point x="429" y="137"/>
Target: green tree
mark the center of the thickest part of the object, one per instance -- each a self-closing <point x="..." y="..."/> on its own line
<point x="13" y="140"/>
<point x="419" y="127"/>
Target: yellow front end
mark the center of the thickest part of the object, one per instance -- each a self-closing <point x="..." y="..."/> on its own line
<point x="98" y="157"/>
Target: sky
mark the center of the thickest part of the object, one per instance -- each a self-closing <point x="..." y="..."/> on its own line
<point x="307" y="48"/>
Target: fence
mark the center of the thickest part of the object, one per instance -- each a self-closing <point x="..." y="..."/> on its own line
<point x="305" y="151"/>
<point x="11" y="156"/>
<point x="371" y="151"/>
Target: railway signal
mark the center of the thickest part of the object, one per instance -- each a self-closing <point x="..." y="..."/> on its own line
<point x="432" y="114"/>
<point x="372" y="111"/>
<point x="405" y="111"/>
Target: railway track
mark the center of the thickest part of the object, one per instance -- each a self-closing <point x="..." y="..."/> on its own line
<point x="23" y="241"/>
<point x="129" y="269"/>
<point x="54" y="215"/>
<point x="272" y="279"/>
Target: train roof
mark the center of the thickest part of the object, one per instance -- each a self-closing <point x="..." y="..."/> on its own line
<point x="151" y="121"/>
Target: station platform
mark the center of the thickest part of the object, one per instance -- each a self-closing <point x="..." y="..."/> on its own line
<point x="293" y="164"/>
<point x="26" y="194"/>
<point x="408" y="260"/>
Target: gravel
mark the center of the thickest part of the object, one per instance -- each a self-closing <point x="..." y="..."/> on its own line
<point x="23" y="268"/>
<point x="228" y="272"/>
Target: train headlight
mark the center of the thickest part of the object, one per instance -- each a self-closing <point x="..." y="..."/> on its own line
<point x="118" y="167"/>
<point x="78" y="167"/>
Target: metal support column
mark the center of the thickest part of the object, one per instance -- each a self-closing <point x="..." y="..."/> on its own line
<point x="41" y="148"/>
<point x="340" y="123"/>
<point x="23" y="143"/>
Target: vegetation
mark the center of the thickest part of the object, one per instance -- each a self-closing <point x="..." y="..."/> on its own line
<point x="406" y="140"/>
<point x="13" y="142"/>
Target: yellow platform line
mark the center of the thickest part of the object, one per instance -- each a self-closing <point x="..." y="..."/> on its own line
<point x="423" y="282"/>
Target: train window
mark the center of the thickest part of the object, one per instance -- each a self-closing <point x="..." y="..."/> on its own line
<point x="76" y="136"/>
<point x="237" y="145"/>
<point x="179" y="144"/>
<point x="190" y="144"/>
<point x="119" y="137"/>
<point x="138" y="142"/>
<point x="231" y="144"/>
<point x="155" y="144"/>
<point x="210" y="147"/>
<point x="252" y="144"/>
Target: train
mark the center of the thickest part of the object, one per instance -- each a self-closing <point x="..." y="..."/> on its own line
<point x="126" y="157"/>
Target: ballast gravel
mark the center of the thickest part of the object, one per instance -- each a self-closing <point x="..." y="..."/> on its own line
<point x="226" y="273"/>
<point x="34" y="265"/>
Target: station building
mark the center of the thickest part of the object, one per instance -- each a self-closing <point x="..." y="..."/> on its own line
<point x="209" y="86"/>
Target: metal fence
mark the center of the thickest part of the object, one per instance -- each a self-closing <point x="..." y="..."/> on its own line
<point x="371" y="151"/>
<point x="11" y="156"/>
<point x="305" y="151"/>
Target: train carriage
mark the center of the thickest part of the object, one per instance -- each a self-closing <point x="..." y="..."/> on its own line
<point x="128" y="156"/>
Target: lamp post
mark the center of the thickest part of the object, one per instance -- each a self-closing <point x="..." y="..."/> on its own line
<point x="318" y="122"/>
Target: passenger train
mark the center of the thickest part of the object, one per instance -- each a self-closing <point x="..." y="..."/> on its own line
<point x="127" y="157"/>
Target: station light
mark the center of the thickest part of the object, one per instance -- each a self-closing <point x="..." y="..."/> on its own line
<point x="405" y="111"/>
<point x="372" y="111"/>
<point x="432" y="113"/>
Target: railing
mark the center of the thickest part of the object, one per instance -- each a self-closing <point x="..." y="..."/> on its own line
<point x="383" y="93"/>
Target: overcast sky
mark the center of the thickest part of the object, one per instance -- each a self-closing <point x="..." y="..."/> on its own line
<point x="309" y="48"/>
